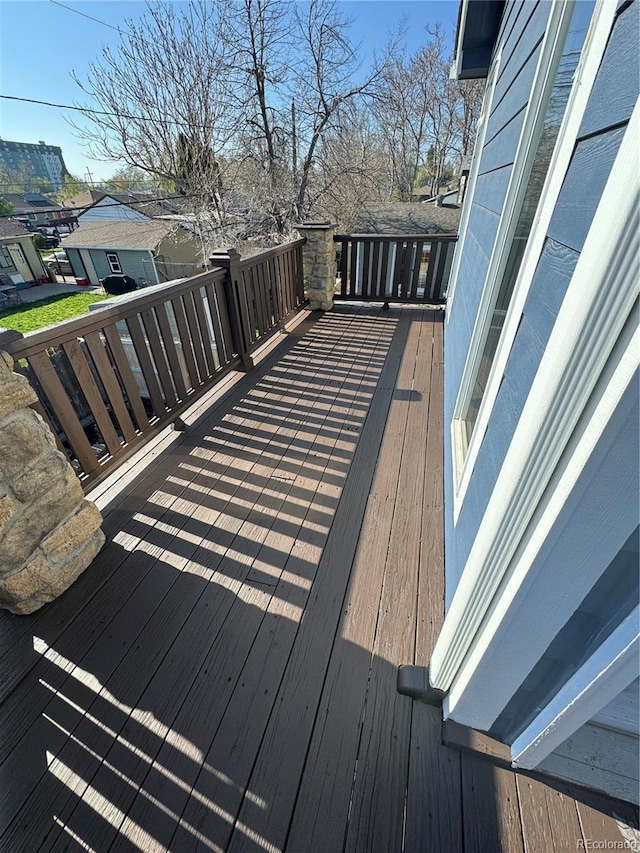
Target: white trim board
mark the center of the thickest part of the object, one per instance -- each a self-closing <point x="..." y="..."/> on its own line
<point x="609" y="671"/>
<point x="584" y="78"/>
<point x="579" y="351"/>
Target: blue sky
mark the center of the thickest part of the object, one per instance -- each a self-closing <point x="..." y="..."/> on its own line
<point x="41" y="43"/>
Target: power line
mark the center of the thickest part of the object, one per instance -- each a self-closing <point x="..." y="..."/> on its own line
<point x="70" y="9"/>
<point x="103" y="112"/>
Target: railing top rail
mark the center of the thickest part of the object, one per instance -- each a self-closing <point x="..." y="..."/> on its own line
<point x="129" y="306"/>
<point x="392" y="238"/>
<point x="250" y="260"/>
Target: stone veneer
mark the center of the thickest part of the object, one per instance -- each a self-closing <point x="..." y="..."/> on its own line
<point x="319" y="264"/>
<point x="49" y="533"/>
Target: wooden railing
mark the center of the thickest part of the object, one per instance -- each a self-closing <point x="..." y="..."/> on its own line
<point x="394" y="268"/>
<point x="109" y="380"/>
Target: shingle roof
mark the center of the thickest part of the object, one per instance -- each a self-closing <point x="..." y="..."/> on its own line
<point x="119" y="234"/>
<point x="405" y="217"/>
<point x="12" y="229"/>
<point x="30" y="202"/>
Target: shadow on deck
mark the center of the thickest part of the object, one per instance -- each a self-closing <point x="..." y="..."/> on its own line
<point x="223" y="676"/>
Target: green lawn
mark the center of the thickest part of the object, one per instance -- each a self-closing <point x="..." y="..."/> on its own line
<point x="36" y="315"/>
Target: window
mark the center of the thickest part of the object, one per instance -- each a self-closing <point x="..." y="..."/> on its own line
<point x="510" y="252"/>
<point x="5" y="258"/>
<point x="114" y="263"/>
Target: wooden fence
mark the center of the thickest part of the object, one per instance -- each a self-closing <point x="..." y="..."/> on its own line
<point x="109" y="380"/>
<point x="394" y="268"/>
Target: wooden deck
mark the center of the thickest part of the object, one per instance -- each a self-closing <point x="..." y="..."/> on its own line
<point x="223" y="676"/>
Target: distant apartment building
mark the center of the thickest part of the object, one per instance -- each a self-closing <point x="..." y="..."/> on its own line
<point x="39" y="161"/>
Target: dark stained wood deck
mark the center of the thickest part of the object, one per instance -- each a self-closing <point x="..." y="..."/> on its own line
<point x="223" y="676"/>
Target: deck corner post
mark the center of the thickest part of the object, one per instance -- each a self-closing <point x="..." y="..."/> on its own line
<point x="49" y="532"/>
<point x="229" y="260"/>
<point x="319" y="264"/>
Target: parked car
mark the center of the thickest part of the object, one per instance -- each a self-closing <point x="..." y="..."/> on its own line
<point x="58" y="263"/>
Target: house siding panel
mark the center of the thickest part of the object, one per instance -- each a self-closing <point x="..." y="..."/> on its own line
<point x="527" y="30"/>
<point x="137" y="264"/>
<point x="616" y="87"/>
<point x="579" y="197"/>
<point x="583" y="186"/>
<point x="509" y="20"/>
<point x="511" y="101"/>
<point x="109" y="209"/>
<point x="491" y="189"/>
<point x="500" y="150"/>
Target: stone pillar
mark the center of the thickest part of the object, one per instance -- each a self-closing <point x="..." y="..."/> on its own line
<point x="49" y="533"/>
<point x="319" y="264"/>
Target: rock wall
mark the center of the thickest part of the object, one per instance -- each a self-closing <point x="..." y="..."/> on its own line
<point x="49" y="532"/>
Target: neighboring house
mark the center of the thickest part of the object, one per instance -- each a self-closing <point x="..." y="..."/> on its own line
<point x="405" y="217"/>
<point x="35" y="209"/>
<point x="539" y="647"/>
<point x="19" y="258"/>
<point x="150" y="251"/>
<point x="40" y="161"/>
<point x="129" y="205"/>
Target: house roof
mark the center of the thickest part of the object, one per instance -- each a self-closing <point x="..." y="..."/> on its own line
<point x="144" y="203"/>
<point x="84" y="199"/>
<point x="478" y="27"/>
<point x="8" y="228"/>
<point x="405" y="217"/>
<point x="30" y="202"/>
<point x="120" y="234"/>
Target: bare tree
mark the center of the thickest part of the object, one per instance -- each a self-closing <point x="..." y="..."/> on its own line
<point x="161" y="93"/>
<point x="231" y="102"/>
<point x="427" y="120"/>
<point x="256" y="111"/>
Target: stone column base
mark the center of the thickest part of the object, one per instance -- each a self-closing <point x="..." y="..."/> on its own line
<point x="49" y="532"/>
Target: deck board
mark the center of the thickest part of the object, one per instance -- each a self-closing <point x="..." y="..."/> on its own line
<point x="223" y="676"/>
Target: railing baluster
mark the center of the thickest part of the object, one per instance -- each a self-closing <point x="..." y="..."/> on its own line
<point x="171" y="352"/>
<point x="205" y="334"/>
<point x="416" y="269"/>
<point x="63" y="411"/>
<point x="111" y="385"/>
<point x="146" y="365"/>
<point x="223" y="309"/>
<point x="126" y="375"/>
<point x="430" y="283"/>
<point x="439" y="276"/>
<point x="157" y="352"/>
<point x="215" y="323"/>
<point x="196" y="338"/>
<point x="353" y="270"/>
<point x="384" y="270"/>
<point x="344" y="266"/>
<point x="91" y="393"/>
<point x="185" y="341"/>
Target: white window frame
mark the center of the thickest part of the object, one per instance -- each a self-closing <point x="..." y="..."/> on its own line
<point x="484" y="652"/>
<point x="470" y="186"/>
<point x="114" y="263"/>
<point x="465" y="457"/>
